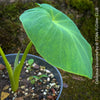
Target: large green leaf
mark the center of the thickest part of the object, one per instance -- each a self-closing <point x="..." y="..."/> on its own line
<point x="58" y="40"/>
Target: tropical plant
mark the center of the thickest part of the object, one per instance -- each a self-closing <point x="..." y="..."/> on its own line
<point x="57" y="39"/>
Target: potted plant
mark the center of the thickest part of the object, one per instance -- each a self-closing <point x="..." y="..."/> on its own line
<point x="57" y="39"/>
<point x="30" y="79"/>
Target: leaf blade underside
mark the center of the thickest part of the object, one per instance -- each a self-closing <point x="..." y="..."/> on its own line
<point x="58" y="40"/>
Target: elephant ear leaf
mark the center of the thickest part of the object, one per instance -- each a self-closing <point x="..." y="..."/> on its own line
<point x="58" y="40"/>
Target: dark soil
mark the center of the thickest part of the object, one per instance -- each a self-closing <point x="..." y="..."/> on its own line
<point x="38" y="90"/>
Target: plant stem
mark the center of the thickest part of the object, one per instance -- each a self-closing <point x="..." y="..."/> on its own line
<point x="18" y="69"/>
<point x="9" y="68"/>
<point x="14" y="75"/>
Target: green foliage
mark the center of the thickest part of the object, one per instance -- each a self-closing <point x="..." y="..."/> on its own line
<point x="61" y="44"/>
<point x="29" y="68"/>
<point x="43" y="75"/>
<point x="33" y="79"/>
<point x="82" y="5"/>
<point x="15" y="74"/>
<point x="30" y="61"/>
<point x="88" y="29"/>
<point x="16" y="60"/>
<point x="10" y="25"/>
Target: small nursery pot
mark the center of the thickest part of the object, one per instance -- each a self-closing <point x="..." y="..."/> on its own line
<point x="39" y="61"/>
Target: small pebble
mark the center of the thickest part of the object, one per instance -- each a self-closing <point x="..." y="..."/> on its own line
<point x="26" y="89"/>
<point x="34" y="73"/>
<point x="54" y="79"/>
<point x="3" y="75"/>
<point x="39" y="73"/>
<point x="27" y="64"/>
<point x="12" y="92"/>
<point x="22" y="87"/>
<point x="33" y="88"/>
<point x="51" y="75"/>
<point x="13" y="98"/>
<point x="27" y="71"/>
<point x="2" y="67"/>
<point x="26" y="93"/>
<point x="48" y="79"/>
<point x="9" y="89"/>
<point x="42" y="90"/>
<point x="28" y="79"/>
<point x="46" y="90"/>
<point x="23" y="92"/>
<point x="42" y="68"/>
<point x="47" y="71"/>
<point x="52" y="84"/>
<point x="44" y="81"/>
<point x="6" y="87"/>
<point x="44" y="98"/>
<point x="44" y="93"/>
<point x="15" y="94"/>
<point x="33" y="94"/>
<point x="36" y="66"/>
<point x="25" y="67"/>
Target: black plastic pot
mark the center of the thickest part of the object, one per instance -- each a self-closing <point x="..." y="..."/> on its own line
<point x="39" y="61"/>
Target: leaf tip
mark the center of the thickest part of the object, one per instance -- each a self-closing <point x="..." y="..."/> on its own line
<point x="37" y="4"/>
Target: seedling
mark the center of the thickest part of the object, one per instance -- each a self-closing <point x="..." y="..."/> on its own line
<point x="14" y="74"/>
<point x="33" y="79"/>
<point x="30" y="62"/>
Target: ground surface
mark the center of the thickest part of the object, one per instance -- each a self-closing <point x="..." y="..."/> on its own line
<point x="36" y="82"/>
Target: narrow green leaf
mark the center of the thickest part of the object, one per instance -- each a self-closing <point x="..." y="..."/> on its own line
<point x="31" y="77"/>
<point x="43" y="76"/>
<point x="16" y="59"/>
<point x="18" y="68"/>
<point x="37" y="4"/>
<point x="9" y="69"/>
<point x="36" y="77"/>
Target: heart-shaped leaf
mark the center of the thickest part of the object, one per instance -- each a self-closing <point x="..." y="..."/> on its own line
<point x="58" y="40"/>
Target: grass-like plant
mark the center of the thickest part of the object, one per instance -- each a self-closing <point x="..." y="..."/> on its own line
<point x="14" y="74"/>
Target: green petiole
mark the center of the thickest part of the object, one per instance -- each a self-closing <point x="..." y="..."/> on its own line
<point x="15" y="74"/>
